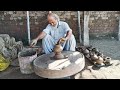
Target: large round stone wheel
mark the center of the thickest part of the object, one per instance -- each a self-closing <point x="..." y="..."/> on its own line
<point x="47" y="67"/>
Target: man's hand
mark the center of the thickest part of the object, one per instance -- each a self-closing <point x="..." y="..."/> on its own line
<point x="33" y="42"/>
<point x="62" y="40"/>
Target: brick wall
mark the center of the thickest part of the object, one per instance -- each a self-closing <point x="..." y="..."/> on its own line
<point x="103" y="23"/>
<point x="14" y="23"/>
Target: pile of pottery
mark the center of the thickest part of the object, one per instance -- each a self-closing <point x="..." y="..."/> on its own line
<point x="94" y="55"/>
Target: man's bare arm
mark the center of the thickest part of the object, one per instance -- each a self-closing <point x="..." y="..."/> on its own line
<point x="41" y="35"/>
<point x="68" y="35"/>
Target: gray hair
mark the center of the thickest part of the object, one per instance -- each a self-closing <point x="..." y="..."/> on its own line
<point x="55" y="16"/>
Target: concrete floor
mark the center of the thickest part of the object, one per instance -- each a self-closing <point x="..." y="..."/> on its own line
<point x="14" y="73"/>
<point x="108" y="47"/>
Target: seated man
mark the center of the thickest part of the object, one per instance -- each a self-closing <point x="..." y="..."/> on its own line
<point x="54" y="31"/>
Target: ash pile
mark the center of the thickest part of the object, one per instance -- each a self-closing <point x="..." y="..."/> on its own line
<point x="94" y="55"/>
<point x="9" y="47"/>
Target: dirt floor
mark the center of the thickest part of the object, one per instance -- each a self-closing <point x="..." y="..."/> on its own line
<point x="109" y="47"/>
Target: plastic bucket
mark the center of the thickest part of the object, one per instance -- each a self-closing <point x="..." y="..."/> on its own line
<point x="25" y="58"/>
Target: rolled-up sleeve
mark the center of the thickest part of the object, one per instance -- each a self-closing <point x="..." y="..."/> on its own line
<point x="66" y="27"/>
<point x="47" y="29"/>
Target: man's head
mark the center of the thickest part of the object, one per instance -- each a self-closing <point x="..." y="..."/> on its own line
<point x="52" y="19"/>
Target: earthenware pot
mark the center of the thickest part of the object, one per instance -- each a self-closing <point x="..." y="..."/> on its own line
<point x="99" y="60"/>
<point x="86" y="51"/>
<point x="95" y="50"/>
<point x="94" y="56"/>
<point x="57" y="48"/>
<point x="107" y="59"/>
<point x="89" y="48"/>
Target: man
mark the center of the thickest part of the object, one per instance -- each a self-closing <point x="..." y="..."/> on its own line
<point x="54" y="31"/>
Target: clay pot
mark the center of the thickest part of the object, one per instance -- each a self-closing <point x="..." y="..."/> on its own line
<point x="100" y="54"/>
<point x="107" y="59"/>
<point x="99" y="60"/>
<point x="87" y="56"/>
<point x="86" y="51"/>
<point x="95" y="50"/>
<point x="57" y="48"/>
<point x="59" y="56"/>
<point x="94" y="56"/>
<point x="78" y="49"/>
<point x="89" y="48"/>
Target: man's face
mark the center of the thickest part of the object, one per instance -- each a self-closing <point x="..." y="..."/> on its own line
<point x="52" y="20"/>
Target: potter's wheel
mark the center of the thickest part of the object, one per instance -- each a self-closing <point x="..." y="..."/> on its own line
<point x="46" y="67"/>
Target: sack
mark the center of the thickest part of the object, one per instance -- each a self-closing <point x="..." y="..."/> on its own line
<point x="4" y="63"/>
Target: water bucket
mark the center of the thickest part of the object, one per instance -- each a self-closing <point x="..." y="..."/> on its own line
<point x="25" y="58"/>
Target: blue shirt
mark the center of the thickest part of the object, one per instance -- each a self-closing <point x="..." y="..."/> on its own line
<point x="57" y="32"/>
